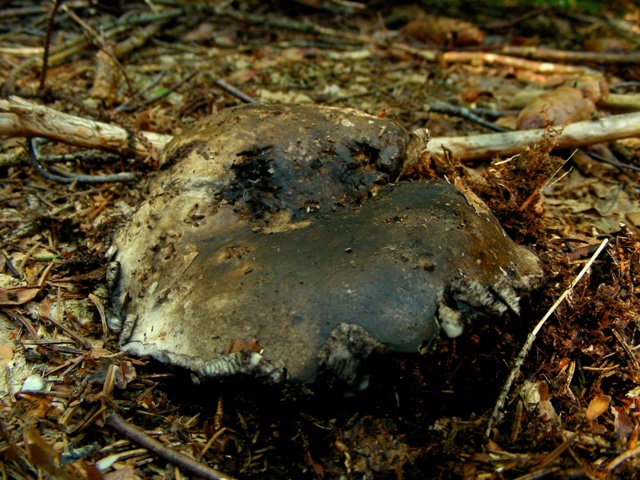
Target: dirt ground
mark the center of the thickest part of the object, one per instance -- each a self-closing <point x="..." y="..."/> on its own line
<point x="573" y="410"/>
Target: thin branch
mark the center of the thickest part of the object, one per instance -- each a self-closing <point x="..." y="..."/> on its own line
<point x="166" y="92"/>
<point x="446" y="108"/>
<point x="531" y="338"/>
<point x="128" y="104"/>
<point x="81" y="341"/>
<point x="121" y="177"/>
<point x="66" y="50"/>
<point x="47" y="44"/>
<point x="190" y="464"/>
<point x="33" y="158"/>
<point x="109" y="69"/>
<point x="574" y="135"/>
<point x="613" y="162"/>
<point x="633" y="357"/>
<point x="61" y="176"/>
<point x="510" y="61"/>
<point x="288" y="24"/>
<point x="234" y="91"/>
<point x="571" y="56"/>
<point x="21" y="118"/>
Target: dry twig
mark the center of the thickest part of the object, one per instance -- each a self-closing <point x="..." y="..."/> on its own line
<point x="623" y="457"/>
<point x="509" y="61"/>
<point x="62" y="176"/>
<point x="571" y="56"/>
<point x="20" y="118"/>
<point x="532" y="336"/>
<point x="234" y="91"/>
<point x="132" y="108"/>
<point x="467" y="113"/>
<point x="47" y="44"/>
<point x="476" y="147"/>
<point x="190" y="464"/>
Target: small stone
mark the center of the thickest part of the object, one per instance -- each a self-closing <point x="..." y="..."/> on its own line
<point x="34" y="383"/>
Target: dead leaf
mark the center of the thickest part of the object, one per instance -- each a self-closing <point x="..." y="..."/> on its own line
<point x="444" y="31"/>
<point x="530" y="394"/>
<point x="47" y="458"/>
<point x="17" y="295"/>
<point x="43" y="455"/>
<point x="99" y="351"/>
<point x="557" y="107"/>
<point x="607" y="45"/>
<point x="492" y="446"/>
<point x="239" y="345"/>
<point x="6" y="354"/>
<point x="547" y="412"/>
<point x="623" y="423"/>
<point x="127" y="472"/>
<point x="125" y="374"/>
<point x="472" y="199"/>
<point x="593" y="87"/>
<point x="597" y="406"/>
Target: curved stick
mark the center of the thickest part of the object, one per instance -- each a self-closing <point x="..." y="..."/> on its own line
<point x="190" y="464"/>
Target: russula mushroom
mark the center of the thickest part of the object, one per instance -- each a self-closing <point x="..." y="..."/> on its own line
<point x="287" y="225"/>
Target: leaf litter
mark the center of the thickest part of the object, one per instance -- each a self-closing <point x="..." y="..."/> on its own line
<point x="573" y="408"/>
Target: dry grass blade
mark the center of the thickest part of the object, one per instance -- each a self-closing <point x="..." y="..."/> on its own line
<point x="623" y="457"/>
<point x="532" y="336"/>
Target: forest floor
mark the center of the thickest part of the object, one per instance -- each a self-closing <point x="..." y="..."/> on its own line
<point x="574" y="408"/>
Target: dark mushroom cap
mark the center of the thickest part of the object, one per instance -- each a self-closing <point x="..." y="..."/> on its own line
<point x="282" y="224"/>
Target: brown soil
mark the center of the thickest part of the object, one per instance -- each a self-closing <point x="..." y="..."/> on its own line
<point x="573" y="409"/>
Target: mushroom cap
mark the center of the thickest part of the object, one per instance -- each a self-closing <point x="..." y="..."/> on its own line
<point x="282" y="224"/>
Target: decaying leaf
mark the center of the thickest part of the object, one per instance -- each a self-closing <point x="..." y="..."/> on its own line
<point x="17" y="295"/>
<point x="593" y="87"/>
<point x="125" y="373"/>
<point x="444" y="31"/>
<point x="573" y="102"/>
<point x="624" y="425"/>
<point x="563" y="105"/>
<point x="597" y="406"/>
<point x="6" y="354"/>
<point x="607" y="45"/>
<point x="47" y="458"/>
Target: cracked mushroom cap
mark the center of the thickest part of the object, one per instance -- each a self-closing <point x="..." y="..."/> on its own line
<point x="284" y="225"/>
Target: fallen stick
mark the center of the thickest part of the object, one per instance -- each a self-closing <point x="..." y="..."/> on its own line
<point x="551" y="54"/>
<point x="21" y="118"/>
<point x="574" y="135"/>
<point x="502" y="398"/>
<point x="489" y="58"/>
<point x="177" y="458"/>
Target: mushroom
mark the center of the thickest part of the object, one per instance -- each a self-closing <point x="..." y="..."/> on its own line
<point x="277" y="242"/>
